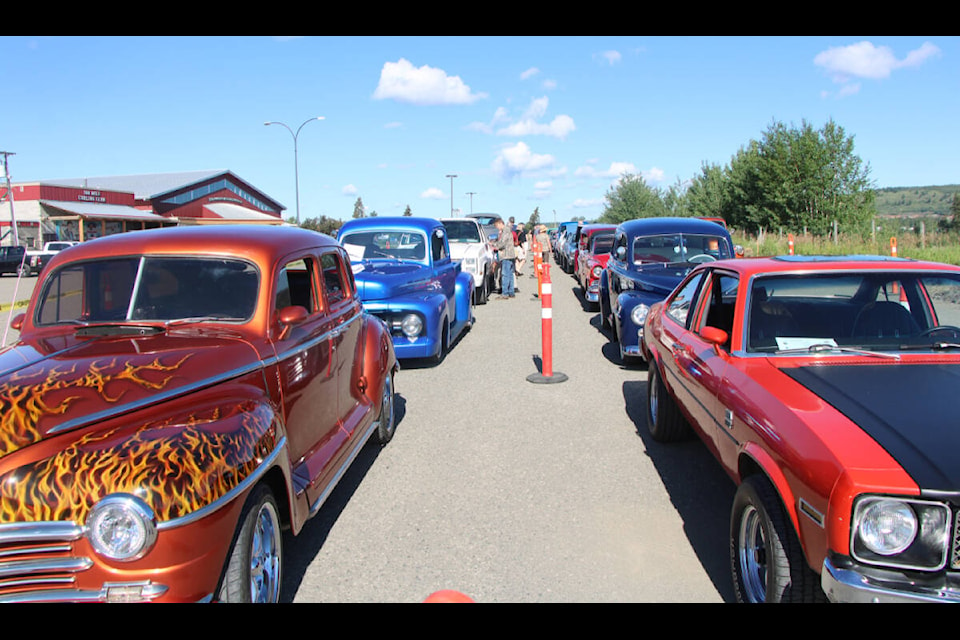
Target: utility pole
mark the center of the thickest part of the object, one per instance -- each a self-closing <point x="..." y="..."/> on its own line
<point x="471" y="194"/>
<point x="13" y="219"/>
<point x="451" y="176"/>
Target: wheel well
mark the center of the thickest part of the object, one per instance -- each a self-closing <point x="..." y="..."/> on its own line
<point x="278" y="487"/>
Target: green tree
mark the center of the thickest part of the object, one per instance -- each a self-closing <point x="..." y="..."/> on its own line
<point x="407" y="212"/>
<point x="800" y="178"/>
<point x="708" y="194"/>
<point x="322" y="224"/>
<point x="631" y="198"/>
<point x="358" y="211"/>
<point x="534" y="219"/>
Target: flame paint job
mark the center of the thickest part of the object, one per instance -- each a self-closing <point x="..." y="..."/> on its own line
<point x="186" y="418"/>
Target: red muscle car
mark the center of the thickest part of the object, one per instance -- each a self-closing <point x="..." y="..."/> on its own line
<point x="827" y="388"/>
<point x="177" y="397"/>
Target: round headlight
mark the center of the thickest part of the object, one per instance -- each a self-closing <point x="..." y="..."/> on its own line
<point x="596" y="271"/>
<point x="888" y="527"/>
<point x="122" y="527"/>
<point x="639" y="314"/>
<point x="411" y="325"/>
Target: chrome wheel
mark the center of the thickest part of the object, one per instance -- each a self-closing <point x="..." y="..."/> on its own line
<point x="265" y="556"/>
<point x="255" y="563"/>
<point x="752" y="556"/>
<point x="386" y="421"/>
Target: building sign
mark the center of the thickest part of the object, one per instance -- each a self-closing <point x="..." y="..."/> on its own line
<point x="86" y="195"/>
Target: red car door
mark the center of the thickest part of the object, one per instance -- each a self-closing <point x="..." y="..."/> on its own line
<point x="308" y="377"/>
<point x="345" y="312"/>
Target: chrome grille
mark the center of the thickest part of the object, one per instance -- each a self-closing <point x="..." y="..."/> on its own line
<point x="955" y="541"/>
<point x="38" y="557"/>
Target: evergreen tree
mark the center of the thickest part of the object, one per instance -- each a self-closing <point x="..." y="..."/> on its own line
<point x="358" y="211"/>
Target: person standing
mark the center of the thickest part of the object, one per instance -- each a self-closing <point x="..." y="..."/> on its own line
<point x="508" y="254"/>
<point x="522" y="248"/>
<point x="543" y="239"/>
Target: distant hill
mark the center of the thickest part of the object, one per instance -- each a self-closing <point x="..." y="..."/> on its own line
<point x="916" y="201"/>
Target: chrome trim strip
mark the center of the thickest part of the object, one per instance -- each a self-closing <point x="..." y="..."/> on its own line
<point x="245" y="484"/>
<point x="39" y="531"/>
<point x="158" y="397"/>
<point x="148" y="591"/>
<point x="807" y="509"/>
<point x="315" y="507"/>
<point x="19" y="567"/>
<point x="314" y="341"/>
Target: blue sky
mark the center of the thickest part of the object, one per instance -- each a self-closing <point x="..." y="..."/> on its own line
<point x="523" y="122"/>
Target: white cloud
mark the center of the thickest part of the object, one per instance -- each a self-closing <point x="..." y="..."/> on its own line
<point x="349" y="190"/>
<point x="866" y="60"/>
<point x="518" y="159"/>
<point x="615" y="171"/>
<point x="432" y="194"/>
<point x="610" y="57"/>
<point x="586" y="203"/>
<point x="425" y="85"/>
<point x="528" y="124"/>
<point x="529" y="73"/>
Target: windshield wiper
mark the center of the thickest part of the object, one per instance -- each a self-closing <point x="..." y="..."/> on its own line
<point x="197" y="319"/>
<point x="119" y="329"/>
<point x="823" y="347"/>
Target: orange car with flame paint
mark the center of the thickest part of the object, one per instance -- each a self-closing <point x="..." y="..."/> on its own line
<point x="176" y="398"/>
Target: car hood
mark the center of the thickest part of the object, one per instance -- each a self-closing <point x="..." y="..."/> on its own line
<point x="911" y="410"/>
<point x="461" y="250"/>
<point x="380" y="280"/>
<point x="661" y="279"/>
<point x="63" y="383"/>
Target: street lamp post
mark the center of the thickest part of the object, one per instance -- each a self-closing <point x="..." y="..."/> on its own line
<point x="296" y="170"/>
<point x="451" y="176"/>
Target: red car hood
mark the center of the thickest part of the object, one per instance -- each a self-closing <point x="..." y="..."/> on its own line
<point x="65" y="382"/>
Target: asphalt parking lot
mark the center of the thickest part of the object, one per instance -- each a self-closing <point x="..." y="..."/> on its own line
<point x="514" y="491"/>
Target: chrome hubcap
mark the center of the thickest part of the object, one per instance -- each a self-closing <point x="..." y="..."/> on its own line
<point x="265" y="556"/>
<point x="752" y="556"/>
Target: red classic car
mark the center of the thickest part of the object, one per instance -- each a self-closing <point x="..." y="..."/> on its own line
<point x="593" y="252"/>
<point x="827" y="389"/>
<point x="176" y="397"/>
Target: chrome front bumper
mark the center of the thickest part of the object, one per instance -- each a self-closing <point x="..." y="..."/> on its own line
<point x="849" y="585"/>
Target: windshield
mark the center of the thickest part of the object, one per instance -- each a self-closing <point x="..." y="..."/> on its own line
<point x="462" y="231"/>
<point x="397" y="245"/>
<point x="601" y="244"/>
<point x="679" y="247"/>
<point x="150" y="288"/>
<point x="871" y="311"/>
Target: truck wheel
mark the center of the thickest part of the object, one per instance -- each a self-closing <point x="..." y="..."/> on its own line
<point x="256" y="559"/>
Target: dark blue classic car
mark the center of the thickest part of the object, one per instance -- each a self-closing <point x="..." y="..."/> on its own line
<point x="650" y="256"/>
<point x="405" y="276"/>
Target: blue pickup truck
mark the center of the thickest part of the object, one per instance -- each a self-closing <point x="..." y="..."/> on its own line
<point x="650" y="257"/>
<point x="406" y="277"/>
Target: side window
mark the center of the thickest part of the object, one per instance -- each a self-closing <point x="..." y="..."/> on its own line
<point x="295" y="285"/>
<point x="438" y="247"/>
<point x="620" y="248"/>
<point x="723" y="301"/>
<point x="683" y="301"/>
<point x="333" y="282"/>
